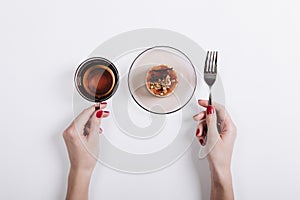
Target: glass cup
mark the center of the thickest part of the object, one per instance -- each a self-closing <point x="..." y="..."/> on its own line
<point x="96" y="79"/>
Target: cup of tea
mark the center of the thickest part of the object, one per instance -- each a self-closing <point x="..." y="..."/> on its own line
<point x="96" y="79"/>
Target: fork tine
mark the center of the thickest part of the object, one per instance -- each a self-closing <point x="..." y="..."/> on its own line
<point x="206" y="62"/>
<point x="210" y="61"/>
<point x="213" y="62"/>
<point x="216" y="60"/>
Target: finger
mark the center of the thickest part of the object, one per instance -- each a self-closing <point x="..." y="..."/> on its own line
<point x="212" y="132"/>
<point x="105" y="114"/>
<point x="85" y="115"/>
<point x="201" y="139"/>
<point x="86" y="130"/>
<point x="200" y="116"/>
<point x="81" y="120"/>
<point x="202" y="132"/>
<point x="211" y="117"/>
<point x="200" y="129"/>
<point x="217" y="106"/>
<point x="101" y="106"/>
<point x="226" y="124"/>
<point x="96" y="119"/>
<point x="203" y="103"/>
<point x="222" y="113"/>
<point x="95" y="122"/>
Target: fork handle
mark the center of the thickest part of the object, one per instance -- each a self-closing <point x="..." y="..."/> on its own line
<point x="209" y="99"/>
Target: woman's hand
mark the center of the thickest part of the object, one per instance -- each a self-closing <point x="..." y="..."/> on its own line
<point x="82" y="138"/>
<point x="221" y="147"/>
<point x="82" y="141"/>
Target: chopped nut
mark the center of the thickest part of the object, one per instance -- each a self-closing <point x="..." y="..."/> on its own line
<point x="168" y="80"/>
<point x="157" y="86"/>
<point x="164" y="90"/>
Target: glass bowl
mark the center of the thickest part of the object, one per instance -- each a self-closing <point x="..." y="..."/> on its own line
<point x="147" y="79"/>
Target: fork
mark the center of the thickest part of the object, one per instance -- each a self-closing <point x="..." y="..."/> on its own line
<point x="210" y="70"/>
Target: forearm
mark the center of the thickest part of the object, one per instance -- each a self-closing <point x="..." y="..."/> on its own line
<point x="221" y="185"/>
<point x="78" y="185"/>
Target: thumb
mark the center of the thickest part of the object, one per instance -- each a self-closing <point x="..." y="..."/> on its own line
<point x="212" y="130"/>
<point x="211" y="117"/>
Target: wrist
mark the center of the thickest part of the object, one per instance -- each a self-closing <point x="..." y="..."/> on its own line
<point x="221" y="178"/>
<point x="78" y="183"/>
<point x="221" y="185"/>
<point x="220" y="174"/>
<point x="82" y="174"/>
<point x="219" y="169"/>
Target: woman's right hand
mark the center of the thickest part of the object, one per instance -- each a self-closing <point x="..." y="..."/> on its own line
<point x="220" y="155"/>
<point x="218" y="146"/>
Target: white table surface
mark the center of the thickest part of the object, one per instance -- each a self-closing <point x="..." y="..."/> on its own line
<point x="42" y="42"/>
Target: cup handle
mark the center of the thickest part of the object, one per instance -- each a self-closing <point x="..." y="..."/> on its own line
<point x="97" y="106"/>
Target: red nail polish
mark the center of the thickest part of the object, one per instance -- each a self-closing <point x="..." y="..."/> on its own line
<point x="107" y="112"/>
<point x="104" y="103"/>
<point x="100" y="129"/>
<point x="99" y="114"/>
<point x="201" y="141"/>
<point x="197" y="132"/>
<point x="210" y="110"/>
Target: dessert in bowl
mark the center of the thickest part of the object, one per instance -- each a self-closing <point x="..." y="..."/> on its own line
<point x="162" y="79"/>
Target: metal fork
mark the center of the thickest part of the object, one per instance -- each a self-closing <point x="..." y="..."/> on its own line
<point x="210" y="70"/>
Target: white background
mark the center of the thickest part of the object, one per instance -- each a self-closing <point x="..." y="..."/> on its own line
<point x="42" y="42"/>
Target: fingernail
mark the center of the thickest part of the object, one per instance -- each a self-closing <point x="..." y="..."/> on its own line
<point x="195" y="115"/>
<point x="210" y="110"/>
<point x="201" y="141"/>
<point x="107" y="112"/>
<point x="99" y="114"/>
<point x="100" y="129"/>
<point x="197" y="132"/>
<point x="104" y="103"/>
